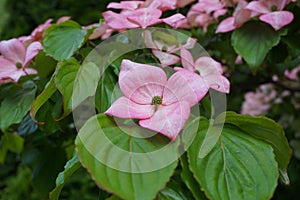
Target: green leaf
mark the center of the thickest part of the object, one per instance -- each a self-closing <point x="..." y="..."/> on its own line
<point x="239" y="166"/>
<point x="124" y="159"/>
<point x="71" y="166"/>
<point x="86" y="83"/>
<point x="268" y="131"/>
<point x="14" y="107"/>
<point x="65" y="76"/>
<point x="45" y="65"/>
<point x="253" y="41"/>
<point x="27" y="126"/>
<point x="62" y="40"/>
<point x="42" y="98"/>
<point x="173" y="191"/>
<point x="13" y="142"/>
<point x="189" y="180"/>
<point x="105" y="90"/>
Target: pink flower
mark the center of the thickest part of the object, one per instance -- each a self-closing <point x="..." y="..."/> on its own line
<point x="161" y="105"/>
<point x="293" y="74"/>
<point x="271" y="12"/>
<point x="205" y="67"/>
<point x="183" y="3"/>
<point x="15" y="59"/>
<point x="102" y="31"/>
<point x="164" y="51"/>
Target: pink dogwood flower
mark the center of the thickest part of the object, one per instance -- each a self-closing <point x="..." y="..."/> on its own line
<point x="165" y="51"/>
<point x="293" y="74"/>
<point x="15" y="58"/>
<point x="271" y="12"/>
<point x="207" y="68"/>
<point x="160" y="104"/>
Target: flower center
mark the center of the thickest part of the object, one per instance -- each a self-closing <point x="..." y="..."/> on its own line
<point x="19" y="65"/>
<point x="273" y="8"/>
<point x="197" y="71"/>
<point x="156" y="100"/>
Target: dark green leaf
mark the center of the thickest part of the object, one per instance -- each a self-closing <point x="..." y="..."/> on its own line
<point x="27" y="126"/>
<point x="253" y="41"/>
<point x="15" y="107"/>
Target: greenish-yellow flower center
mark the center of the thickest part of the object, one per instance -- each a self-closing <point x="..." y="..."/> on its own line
<point x="156" y="100"/>
<point x="19" y="65"/>
<point x="273" y="8"/>
<point x="197" y="71"/>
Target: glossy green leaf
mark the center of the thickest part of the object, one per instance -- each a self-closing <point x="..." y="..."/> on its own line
<point x="65" y="76"/>
<point x="27" y="126"/>
<point x="86" y="83"/>
<point x="105" y="90"/>
<point x="253" y="41"/>
<point x="14" y="107"/>
<point x="70" y="167"/>
<point x="42" y="98"/>
<point x="238" y="167"/>
<point x="62" y="40"/>
<point x="122" y="161"/>
<point x="268" y="131"/>
<point x="13" y="142"/>
<point x="189" y="180"/>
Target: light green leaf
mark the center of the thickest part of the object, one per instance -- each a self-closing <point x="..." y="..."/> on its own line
<point x="14" y="107"/>
<point x="65" y="76"/>
<point x="253" y="41"/>
<point x="126" y="159"/>
<point x="173" y="191"/>
<point x="62" y="40"/>
<point x="86" y="83"/>
<point x="13" y="142"/>
<point x="268" y="131"/>
<point x="238" y="167"/>
<point x="42" y="98"/>
<point x="71" y="166"/>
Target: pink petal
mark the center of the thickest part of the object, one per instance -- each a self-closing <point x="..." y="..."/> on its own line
<point x="190" y="43"/>
<point x="168" y="120"/>
<point x="148" y="40"/>
<point x="161" y="5"/>
<point x="13" y="50"/>
<point x="166" y="59"/>
<point x="173" y="20"/>
<point x="183" y="3"/>
<point x="219" y="13"/>
<point x="141" y="82"/>
<point x="37" y="33"/>
<point x="242" y="16"/>
<point x="146" y="16"/>
<point x="226" y="25"/>
<point x="63" y="19"/>
<point x="30" y="71"/>
<point x="186" y="86"/>
<point x="206" y="66"/>
<point x="6" y="68"/>
<point x="187" y="60"/>
<point x="127" y="5"/>
<point x="32" y="50"/>
<point x="125" y="108"/>
<point x="258" y="6"/>
<point x="118" y="21"/>
<point x="218" y="82"/>
<point x="278" y="19"/>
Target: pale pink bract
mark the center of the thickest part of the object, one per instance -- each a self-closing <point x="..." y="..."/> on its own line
<point x="161" y="104"/>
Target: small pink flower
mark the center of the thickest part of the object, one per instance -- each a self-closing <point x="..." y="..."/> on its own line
<point x="161" y="105"/>
<point x="293" y="74"/>
<point x="271" y="12"/>
<point x="205" y="67"/>
<point x="15" y="59"/>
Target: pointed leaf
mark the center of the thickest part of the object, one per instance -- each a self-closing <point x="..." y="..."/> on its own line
<point x="122" y="160"/>
<point x="253" y="41"/>
<point x="238" y="167"/>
